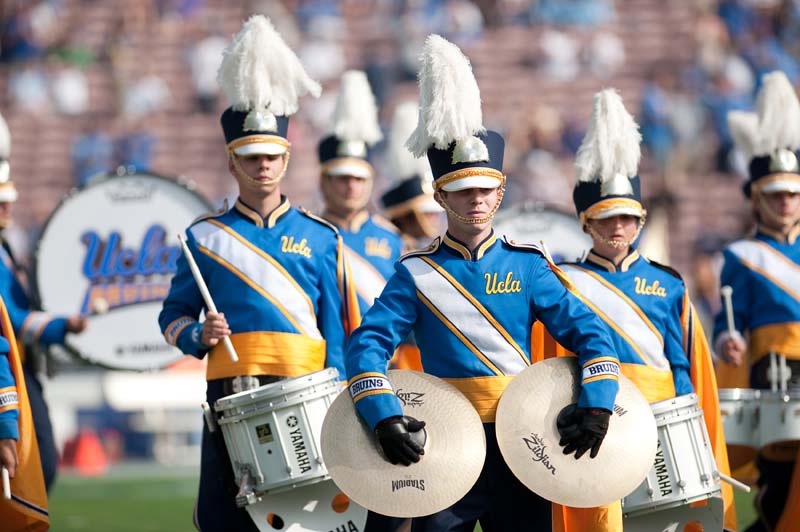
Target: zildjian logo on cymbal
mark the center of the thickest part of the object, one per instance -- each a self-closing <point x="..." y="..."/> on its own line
<point x="411" y="398"/>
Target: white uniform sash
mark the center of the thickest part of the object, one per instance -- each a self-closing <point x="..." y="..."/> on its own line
<point x="260" y="271"/>
<point x="623" y="314"/>
<point x="369" y="282"/>
<point x="769" y="262"/>
<point x="466" y="317"/>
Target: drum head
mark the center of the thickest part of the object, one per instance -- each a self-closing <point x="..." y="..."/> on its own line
<point x="109" y="251"/>
<point x="454" y="452"/>
<point x="528" y="438"/>
<point x="531" y="223"/>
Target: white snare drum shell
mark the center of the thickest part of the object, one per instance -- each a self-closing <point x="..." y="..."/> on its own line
<point x="778" y="418"/>
<point x="739" y="409"/>
<point x="684" y="470"/>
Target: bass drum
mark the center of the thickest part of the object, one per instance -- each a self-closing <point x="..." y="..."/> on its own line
<point x="109" y="251"/>
<point x="532" y="223"/>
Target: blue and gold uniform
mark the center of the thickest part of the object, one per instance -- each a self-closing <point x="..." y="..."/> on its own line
<point x="472" y="315"/>
<point x="372" y="245"/>
<point x="9" y="402"/>
<point x="282" y="284"/>
<point x="644" y="303"/>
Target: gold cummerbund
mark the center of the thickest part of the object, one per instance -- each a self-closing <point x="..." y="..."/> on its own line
<point x="779" y="338"/>
<point x="483" y="392"/>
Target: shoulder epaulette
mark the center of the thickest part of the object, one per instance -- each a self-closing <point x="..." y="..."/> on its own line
<point x="318" y="219"/>
<point x="668" y="269"/>
<point x="212" y="214"/>
<point x="527" y="247"/>
<point x="425" y="251"/>
<point x="382" y="222"/>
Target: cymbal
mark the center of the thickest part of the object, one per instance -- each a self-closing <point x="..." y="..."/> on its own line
<point x="455" y="450"/>
<point x="528" y="438"/>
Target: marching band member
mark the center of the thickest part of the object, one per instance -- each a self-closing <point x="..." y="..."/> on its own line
<point x="764" y="272"/>
<point x="644" y="302"/>
<point x="470" y="298"/>
<point x="277" y="273"/>
<point x="372" y="244"/>
<point x="409" y="204"/>
<point x="36" y="330"/>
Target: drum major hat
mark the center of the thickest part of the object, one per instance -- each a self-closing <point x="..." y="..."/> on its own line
<point x="770" y="138"/>
<point x="462" y="153"/>
<point x="8" y="192"/>
<point x="413" y="181"/>
<point x="355" y="129"/>
<point x="263" y="79"/>
<point x="455" y="449"/>
<point x="608" y="161"/>
<point x="528" y="437"/>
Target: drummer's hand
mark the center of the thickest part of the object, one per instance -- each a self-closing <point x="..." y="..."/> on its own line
<point x="394" y="435"/>
<point x="582" y="429"/>
<point x="77" y="323"/>
<point x="733" y="351"/>
<point x="215" y="328"/>
<point x="8" y="455"/>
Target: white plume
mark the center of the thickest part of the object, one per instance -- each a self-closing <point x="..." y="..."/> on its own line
<point x="744" y="130"/>
<point x="778" y="114"/>
<point x="356" y="113"/>
<point x="259" y="71"/>
<point x="611" y="145"/>
<point x="450" y="101"/>
<point x="5" y="139"/>
<point x="402" y="163"/>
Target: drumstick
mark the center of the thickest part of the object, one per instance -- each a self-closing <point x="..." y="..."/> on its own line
<point x="201" y="284"/>
<point x="735" y="483"/>
<point x="726" y="292"/>
<point x="6" y="484"/>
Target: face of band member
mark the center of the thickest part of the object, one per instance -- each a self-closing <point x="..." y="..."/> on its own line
<point x="616" y="232"/>
<point x="471" y="208"/>
<point x="420" y="224"/>
<point x="779" y="209"/>
<point x="261" y="172"/>
<point x="6" y="213"/>
<point x="346" y="194"/>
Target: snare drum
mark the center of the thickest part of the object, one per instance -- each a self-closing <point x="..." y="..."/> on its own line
<point x="779" y="420"/>
<point x="739" y="409"/>
<point x="272" y="433"/>
<point x="684" y="470"/>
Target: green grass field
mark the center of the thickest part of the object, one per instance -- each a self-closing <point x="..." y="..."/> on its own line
<point x="148" y="500"/>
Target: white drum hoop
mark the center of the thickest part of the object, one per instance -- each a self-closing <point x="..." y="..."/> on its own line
<point x="778" y="419"/>
<point x="108" y="251"/>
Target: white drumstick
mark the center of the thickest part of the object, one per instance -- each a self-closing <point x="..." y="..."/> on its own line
<point x="735" y="483"/>
<point x="6" y="484"/>
<point x="726" y="292"/>
<point x="201" y="284"/>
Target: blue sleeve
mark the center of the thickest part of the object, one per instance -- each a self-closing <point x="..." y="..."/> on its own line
<point x="9" y="402"/>
<point x="575" y="326"/>
<point x="372" y="344"/>
<point x="332" y="310"/>
<point x="675" y="352"/>
<point x="182" y="308"/>
<point x="735" y="275"/>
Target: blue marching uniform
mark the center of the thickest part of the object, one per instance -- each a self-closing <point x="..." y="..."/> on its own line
<point x="9" y="402"/>
<point x="282" y="283"/>
<point x="471" y="314"/>
<point x="644" y="303"/>
<point x="372" y="246"/>
<point x="33" y="328"/>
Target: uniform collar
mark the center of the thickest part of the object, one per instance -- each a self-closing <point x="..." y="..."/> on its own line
<point x="254" y="216"/>
<point x="791" y="238"/>
<point x="606" y="264"/>
<point x="354" y="226"/>
<point x="463" y="250"/>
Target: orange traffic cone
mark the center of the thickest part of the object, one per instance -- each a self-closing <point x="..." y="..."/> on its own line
<point x="89" y="459"/>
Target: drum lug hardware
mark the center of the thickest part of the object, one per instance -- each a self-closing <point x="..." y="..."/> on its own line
<point x="211" y="422"/>
<point x="247" y="492"/>
<point x="681" y="483"/>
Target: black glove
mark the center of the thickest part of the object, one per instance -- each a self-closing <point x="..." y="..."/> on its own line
<point x="582" y="429"/>
<point x="401" y="439"/>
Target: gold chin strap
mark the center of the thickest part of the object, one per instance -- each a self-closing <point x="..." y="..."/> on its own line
<point x="474" y="221"/>
<point x="772" y="216"/>
<point x="240" y="173"/>
<point x="618" y="244"/>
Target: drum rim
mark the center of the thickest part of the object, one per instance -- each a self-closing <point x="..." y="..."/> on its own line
<point x="289" y="385"/>
<point x="777" y="396"/>
<point x="674" y="403"/>
<point x="733" y="394"/>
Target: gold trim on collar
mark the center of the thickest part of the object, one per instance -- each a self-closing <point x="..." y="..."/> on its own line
<point x="449" y="242"/>
<point x="628" y="261"/>
<point x="279" y="211"/>
<point x="248" y="212"/>
<point x="603" y="262"/>
<point x="271" y="219"/>
<point x="483" y="248"/>
<point x="355" y="224"/>
<point x="469" y="172"/>
<point x="791" y="238"/>
<point x="255" y="139"/>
